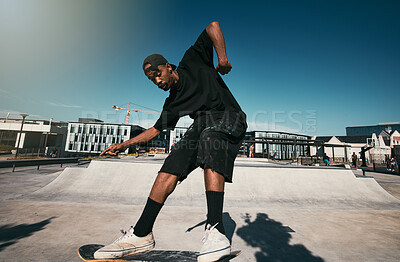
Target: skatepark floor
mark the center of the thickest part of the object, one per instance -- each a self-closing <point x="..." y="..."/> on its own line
<point x="36" y="228"/>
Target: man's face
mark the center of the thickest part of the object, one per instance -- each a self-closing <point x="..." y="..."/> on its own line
<point x="161" y="77"/>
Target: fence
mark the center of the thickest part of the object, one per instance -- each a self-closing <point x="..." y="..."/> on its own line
<point x="25" y="152"/>
<point x="36" y="162"/>
<point x="312" y="160"/>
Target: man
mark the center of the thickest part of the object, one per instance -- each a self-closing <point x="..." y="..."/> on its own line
<point x="326" y="159"/>
<point x="211" y="142"/>
<point x="354" y="159"/>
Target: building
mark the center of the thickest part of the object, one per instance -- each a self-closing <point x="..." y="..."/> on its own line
<point x="369" y="130"/>
<point x="340" y="148"/>
<point x="390" y="139"/>
<point x="175" y="135"/>
<point x="279" y="145"/>
<point x="160" y="144"/>
<point x="377" y="147"/>
<point x="38" y="137"/>
<point x="383" y="145"/>
<point x="93" y="136"/>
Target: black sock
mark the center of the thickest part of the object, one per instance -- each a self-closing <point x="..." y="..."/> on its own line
<point x="215" y="203"/>
<point x="146" y="221"/>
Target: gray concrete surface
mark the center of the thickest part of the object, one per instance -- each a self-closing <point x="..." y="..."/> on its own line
<point x="290" y="214"/>
<point x="390" y="182"/>
<point x="262" y="186"/>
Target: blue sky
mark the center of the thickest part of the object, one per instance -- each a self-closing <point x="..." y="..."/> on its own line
<point x="310" y="67"/>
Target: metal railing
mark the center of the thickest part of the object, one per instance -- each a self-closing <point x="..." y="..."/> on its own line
<point x="382" y="168"/>
<point x="36" y="162"/>
<point x="32" y="152"/>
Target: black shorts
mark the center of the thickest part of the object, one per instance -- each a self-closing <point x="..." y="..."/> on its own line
<point x="210" y="142"/>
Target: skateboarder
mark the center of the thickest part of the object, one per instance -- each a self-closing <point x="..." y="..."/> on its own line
<point x="211" y="142"/>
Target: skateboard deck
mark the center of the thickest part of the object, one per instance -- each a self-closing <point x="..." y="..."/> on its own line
<point x="86" y="253"/>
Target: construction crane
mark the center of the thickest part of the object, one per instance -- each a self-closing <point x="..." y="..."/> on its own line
<point x="129" y="109"/>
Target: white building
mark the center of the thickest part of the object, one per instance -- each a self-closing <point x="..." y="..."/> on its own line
<point x="340" y="146"/>
<point x="383" y="145"/>
<point x="36" y="136"/>
<point x="175" y="135"/>
<point x="92" y="136"/>
<point x="379" y="146"/>
<point x="280" y="145"/>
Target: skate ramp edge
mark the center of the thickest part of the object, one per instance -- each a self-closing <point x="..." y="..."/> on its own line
<point x="130" y="183"/>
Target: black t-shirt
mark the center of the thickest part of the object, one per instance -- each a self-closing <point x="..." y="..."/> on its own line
<point x="200" y="88"/>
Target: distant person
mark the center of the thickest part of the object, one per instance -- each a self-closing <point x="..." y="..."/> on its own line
<point x="354" y="159"/>
<point x="54" y="152"/>
<point x="252" y="150"/>
<point x="173" y="146"/>
<point x="326" y="159"/>
<point x="137" y="151"/>
<point x="274" y="156"/>
<point x="212" y="142"/>
<point x="393" y="164"/>
<point x="387" y="159"/>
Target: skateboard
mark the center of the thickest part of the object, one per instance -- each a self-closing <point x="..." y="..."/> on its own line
<point x="86" y="253"/>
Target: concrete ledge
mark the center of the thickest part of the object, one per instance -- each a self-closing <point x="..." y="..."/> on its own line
<point x="36" y="162"/>
<point x="130" y="183"/>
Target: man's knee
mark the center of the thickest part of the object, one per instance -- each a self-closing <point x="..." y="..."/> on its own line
<point x="166" y="178"/>
<point x="163" y="186"/>
<point x="213" y="180"/>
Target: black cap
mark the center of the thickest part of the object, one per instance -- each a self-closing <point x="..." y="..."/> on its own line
<point x="155" y="60"/>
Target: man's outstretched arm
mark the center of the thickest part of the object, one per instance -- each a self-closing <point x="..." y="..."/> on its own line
<point x="144" y="137"/>
<point x="215" y="33"/>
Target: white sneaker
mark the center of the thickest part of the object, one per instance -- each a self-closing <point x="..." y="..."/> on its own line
<point x="125" y="245"/>
<point x="216" y="245"/>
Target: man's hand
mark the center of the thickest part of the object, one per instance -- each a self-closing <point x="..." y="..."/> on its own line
<point x="224" y="67"/>
<point x="113" y="150"/>
<point x="144" y="137"/>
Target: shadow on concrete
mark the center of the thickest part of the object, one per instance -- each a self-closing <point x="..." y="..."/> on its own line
<point x="10" y="234"/>
<point x="273" y="239"/>
<point x="229" y="225"/>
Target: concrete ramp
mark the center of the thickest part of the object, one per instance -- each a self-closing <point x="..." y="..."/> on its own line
<point x="259" y="185"/>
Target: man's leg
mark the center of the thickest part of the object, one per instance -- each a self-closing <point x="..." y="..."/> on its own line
<point x="182" y="161"/>
<point x="163" y="186"/>
<point x="215" y="185"/>
<point x="214" y="181"/>
<point x="140" y="238"/>
<point x="215" y="244"/>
